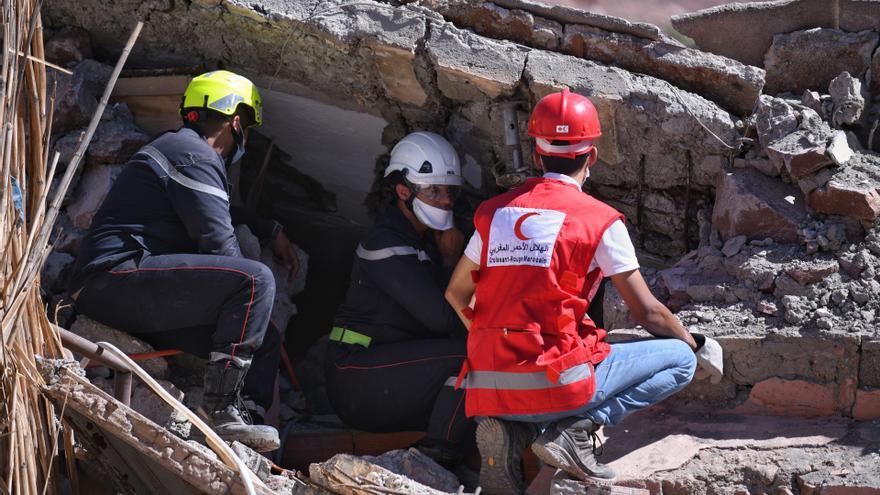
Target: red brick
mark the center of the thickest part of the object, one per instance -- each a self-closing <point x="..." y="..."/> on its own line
<point x="838" y="198"/>
<point x="867" y="405"/>
<point x="792" y="398"/>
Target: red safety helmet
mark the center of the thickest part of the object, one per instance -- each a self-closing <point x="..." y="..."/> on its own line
<point x="564" y="116"/>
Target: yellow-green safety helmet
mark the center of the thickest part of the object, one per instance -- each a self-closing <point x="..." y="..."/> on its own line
<point x="222" y="91"/>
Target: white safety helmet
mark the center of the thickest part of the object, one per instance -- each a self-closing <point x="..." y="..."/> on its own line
<point x="427" y="158"/>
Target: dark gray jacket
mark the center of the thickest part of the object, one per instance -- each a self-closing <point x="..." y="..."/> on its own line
<point x="172" y="197"/>
<point x="397" y="286"/>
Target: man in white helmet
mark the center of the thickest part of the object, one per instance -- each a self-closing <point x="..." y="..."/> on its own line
<point x="396" y="341"/>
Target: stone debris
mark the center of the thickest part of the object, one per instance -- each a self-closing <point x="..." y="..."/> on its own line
<point x="846" y="94"/>
<point x="763" y="226"/>
<point x="346" y="474"/>
<point x="748" y="204"/>
<point x="417" y="466"/>
<point x="839" y="150"/>
<point x="811" y="59"/>
<point x="96" y="332"/>
<point x="774" y="119"/>
<point x="744" y="31"/>
<point x="68" y="46"/>
<point x="137" y="455"/>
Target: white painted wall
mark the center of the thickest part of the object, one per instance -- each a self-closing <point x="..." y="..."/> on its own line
<point x="335" y="146"/>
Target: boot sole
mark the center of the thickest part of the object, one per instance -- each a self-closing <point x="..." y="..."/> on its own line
<point x="561" y="459"/>
<point x="498" y="474"/>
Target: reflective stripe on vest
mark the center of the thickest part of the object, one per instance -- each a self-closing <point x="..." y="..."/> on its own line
<point x="166" y="166"/>
<point x="500" y="380"/>
<point x="385" y="253"/>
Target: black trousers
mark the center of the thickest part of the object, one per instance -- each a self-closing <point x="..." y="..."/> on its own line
<point x="403" y="386"/>
<point x="197" y="303"/>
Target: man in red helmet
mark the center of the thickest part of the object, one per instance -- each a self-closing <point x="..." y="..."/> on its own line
<point x="535" y="358"/>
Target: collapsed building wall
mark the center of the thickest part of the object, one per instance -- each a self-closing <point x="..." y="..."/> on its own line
<point x="752" y="191"/>
<point x="417" y="71"/>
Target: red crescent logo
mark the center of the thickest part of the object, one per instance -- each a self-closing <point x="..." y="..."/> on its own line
<point x="517" y="227"/>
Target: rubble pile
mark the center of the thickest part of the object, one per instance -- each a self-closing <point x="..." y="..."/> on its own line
<point x="426" y="66"/>
<point x="748" y="174"/>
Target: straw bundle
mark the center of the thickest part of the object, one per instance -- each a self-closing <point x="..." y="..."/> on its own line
<point x="28" y="435"/>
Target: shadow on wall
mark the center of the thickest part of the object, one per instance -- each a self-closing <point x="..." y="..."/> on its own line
<point x="320" y="172"/>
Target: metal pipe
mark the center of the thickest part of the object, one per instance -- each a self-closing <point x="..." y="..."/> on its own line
<point x="122" y="387"/>
<point x="123" y="378"/>
<point x="90" y="350"/>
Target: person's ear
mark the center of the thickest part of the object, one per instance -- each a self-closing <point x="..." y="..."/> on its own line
<point x="403" y="192"/>
<point x="594" y="157"/>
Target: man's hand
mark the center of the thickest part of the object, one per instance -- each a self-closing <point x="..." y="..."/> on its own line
<point x="710" y="359"/>
<point x="450" y="243"/>
<point x="284" y="251"/>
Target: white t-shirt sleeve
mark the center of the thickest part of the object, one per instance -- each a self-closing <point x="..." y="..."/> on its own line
<point x="474" y="248"/>
<point x="615" y="253"/>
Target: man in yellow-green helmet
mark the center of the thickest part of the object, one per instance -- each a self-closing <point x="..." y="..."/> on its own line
<point x="161" y="259"/>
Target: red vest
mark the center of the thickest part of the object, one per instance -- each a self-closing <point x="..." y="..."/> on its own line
<point x="531" y="347"/>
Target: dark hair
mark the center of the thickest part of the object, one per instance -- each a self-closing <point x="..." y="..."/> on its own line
<point x="562" y="165"/>
<point x="211" y="121"/>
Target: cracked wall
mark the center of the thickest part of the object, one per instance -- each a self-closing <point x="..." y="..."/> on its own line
<point x="411" y="67"/>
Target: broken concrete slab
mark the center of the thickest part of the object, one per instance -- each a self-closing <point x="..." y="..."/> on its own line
<point x="733" y="85"/>
<point x="96" y="332"/>
<point x="748" y="204"/>
<point x="852" y="190"/>
<point x="346" y="474"/>
<point x="494" y="21"/>
<point x="664" y="134"/>
<point x="563" y="484"/>
<point x="137" y="455"/>
<point x="472" y="67"/>
<point x="413" y="464"/>
<point x="570" y="15"/>
<point x="744" y="31"/>
<point x="810" y="59"/>
<point x="846" y="94"/>
<point x="648" y="443"/>
<point x="801" y="153"/>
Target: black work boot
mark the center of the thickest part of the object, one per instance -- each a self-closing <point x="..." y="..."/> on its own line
<point x="570" y="445"/>
<point x="501" y="444"/>
<point x="225" y="409"/>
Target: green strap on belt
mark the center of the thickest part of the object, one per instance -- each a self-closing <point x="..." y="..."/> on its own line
<point x="346" y="336"/>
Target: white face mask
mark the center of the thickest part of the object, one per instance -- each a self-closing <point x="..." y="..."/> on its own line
<point x="239" y="152"/>
<point x="435" y="218"/>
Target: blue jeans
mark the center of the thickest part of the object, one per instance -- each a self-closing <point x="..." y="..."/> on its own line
<point x="636" y="374"/>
